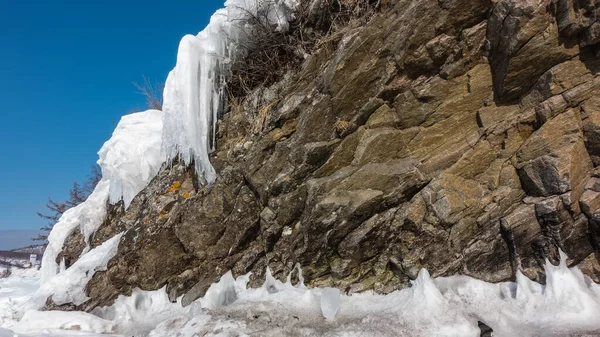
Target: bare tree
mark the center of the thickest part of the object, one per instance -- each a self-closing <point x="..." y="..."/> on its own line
<point x="77" y="194"/>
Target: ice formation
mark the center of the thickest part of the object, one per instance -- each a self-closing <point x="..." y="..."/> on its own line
<point x="141" y="142"/>
<point x="330" y="302"/>
<point x="568" y="304"/>
<point x="129" y="160"/>
<point x="86" y="217"/>
<point x="69" y="285"/>
<point x="61" y="320"/>
<point x="220" y="294"/>
<point x="194" y="90"/>
<point x="132" y="156"/>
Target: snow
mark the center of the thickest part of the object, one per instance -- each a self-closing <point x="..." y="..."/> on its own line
<point x="141" y="142"/>
<point x="132" y="156"/>
<point x="68" y="286"/>
<point x="85" y="217"/>
<point x="60" y="320"/>
<point x="443" y="307"/>
<point x="194" y="90"/>
<point x="568" y="304"/>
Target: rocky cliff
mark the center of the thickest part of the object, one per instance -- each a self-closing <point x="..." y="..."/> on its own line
<point x="460" y="136"/>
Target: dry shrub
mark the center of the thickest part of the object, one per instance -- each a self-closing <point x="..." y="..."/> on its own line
<point x="270" y="54"/>
<point x="152" y="93"/>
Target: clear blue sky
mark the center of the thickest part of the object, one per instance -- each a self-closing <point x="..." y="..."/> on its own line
<point x="66" y="73"/>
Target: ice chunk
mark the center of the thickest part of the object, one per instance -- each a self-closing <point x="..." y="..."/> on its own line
<point x="132" y="156"/>
<point x="69" y="285"/>
<point x="138" y="314"/>
<point x="220" y="294"/>
<point x="330" y="302"/>
<point x="271" y="285"/>
<point x="425" y="290"/>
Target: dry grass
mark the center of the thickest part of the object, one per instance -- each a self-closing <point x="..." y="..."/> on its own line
<point x="152" y="93"/>
<point x="270" y="54"/>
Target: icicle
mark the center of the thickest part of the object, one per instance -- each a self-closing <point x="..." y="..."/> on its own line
<point x="330" y="302"/>
<point x="424" y="289"/>
<point x="62" y="266"/>
<point x="300" y="277"/>
<point x="220" y="294"/>
<point x="194" y="90"/>
<point x="271" y="284"/>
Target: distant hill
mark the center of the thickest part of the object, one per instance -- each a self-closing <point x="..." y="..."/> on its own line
<point x="13" y="239"/>
<point x="20" y="257"/>
<point x="33" y="249"/>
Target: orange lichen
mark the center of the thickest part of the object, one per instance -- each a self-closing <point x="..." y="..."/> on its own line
<point x="164" y="215"/>
<point x="186" y="195"/>
<point x="174" y="187"/>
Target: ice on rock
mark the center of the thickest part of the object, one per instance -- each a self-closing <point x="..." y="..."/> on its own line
<point x="129" y="160"/>
<point x="194" y="90"/>
<point x="69" y="285"/>
<point x="425" y="290"/>
<point x="271" y="285"/>
<point x="132" y="156"/>
<point x="447" y="306"/>
<point x="330" y="302"/>
<point x="85" y="217"/>
<point x="139" y="313"/>
<point x="220" y="294"/>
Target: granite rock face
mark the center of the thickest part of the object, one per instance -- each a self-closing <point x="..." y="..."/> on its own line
<point x="460" y="136"/>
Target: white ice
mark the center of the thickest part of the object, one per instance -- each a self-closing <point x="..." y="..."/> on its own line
<point x="68" y="286"/>
<point x="86" y="215"/>
<point x="141" y="142"/>
<point x="132" y="156"/>
<point x="568" y="304"/>
<point x="129" y="160"/>
<point x="194" y="90"/>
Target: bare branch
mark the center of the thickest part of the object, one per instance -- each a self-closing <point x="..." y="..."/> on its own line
<point x="153" y="93"/>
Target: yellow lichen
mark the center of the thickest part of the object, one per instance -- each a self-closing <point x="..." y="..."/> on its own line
<point x="174" y="187"/>
<point x="164" y="215"/>
<point x="186" y="195"/>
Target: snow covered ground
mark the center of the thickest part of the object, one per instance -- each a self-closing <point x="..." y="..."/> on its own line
<point x="569" y="305"/>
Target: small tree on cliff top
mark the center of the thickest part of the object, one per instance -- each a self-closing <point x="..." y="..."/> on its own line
<point x="77" y="194"/>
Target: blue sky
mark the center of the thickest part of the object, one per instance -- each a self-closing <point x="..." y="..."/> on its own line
<point x="66" y="73"/>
